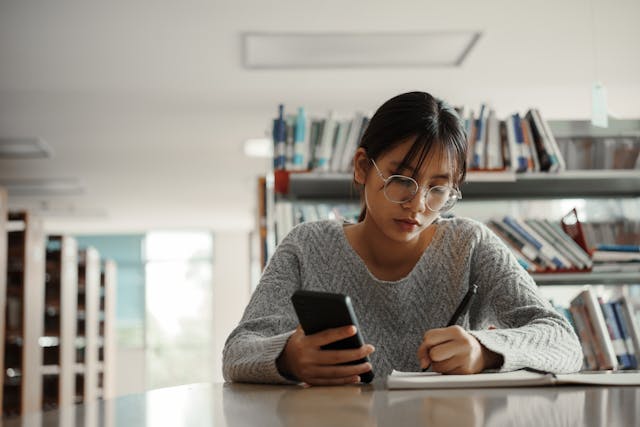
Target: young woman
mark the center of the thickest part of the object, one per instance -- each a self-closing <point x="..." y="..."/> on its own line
<point x="406" y="270"/>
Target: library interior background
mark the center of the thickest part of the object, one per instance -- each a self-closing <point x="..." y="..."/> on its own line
<point x="153" y="155"/>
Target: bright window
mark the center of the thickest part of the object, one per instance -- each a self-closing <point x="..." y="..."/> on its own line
<point x="179" y="300"/>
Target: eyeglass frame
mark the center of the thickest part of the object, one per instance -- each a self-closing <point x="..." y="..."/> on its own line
<point x="456" y="194"/>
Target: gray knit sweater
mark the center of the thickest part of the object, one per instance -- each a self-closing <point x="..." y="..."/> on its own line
<point x="394" y="316"/>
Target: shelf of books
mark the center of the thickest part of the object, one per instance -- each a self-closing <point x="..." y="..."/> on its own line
<point x="87" y="341"/>
<point x="481" y="185"/>
<point x="60" y="322"/>
<point x="608" y="329"/>
<point x="107" y="330"/>
<point x="24" y="325"/>
<point x="52" y="309"/>
<point x="516" y="158"/>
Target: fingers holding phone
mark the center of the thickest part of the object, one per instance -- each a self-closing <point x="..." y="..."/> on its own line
<point x="305" y="359"/>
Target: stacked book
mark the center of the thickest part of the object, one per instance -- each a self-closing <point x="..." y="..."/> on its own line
<point x="517" y="143"/>
<point x="616" y="258"/>
<point x="540" y="245"/>
<point x="327" y="144"/>
<point x="323" y="144"/>
<point x="609" y="331"/>
<point x="601" y="153"/>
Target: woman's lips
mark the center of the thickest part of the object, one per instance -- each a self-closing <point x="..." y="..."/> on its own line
<point x="407" y="224"/>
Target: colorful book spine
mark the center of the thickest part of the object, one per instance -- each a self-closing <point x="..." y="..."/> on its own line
<point x="325" y="149"/>
<point x="558" y="160"/>
<point x="625" y="335"/>
<point x="632" y="325"/>
<point x="521" y="155"/>
<point x="358" y="123"/>
<point x="538" y="138"/>
<point x="518" y="243"/>
<point x="571" y="244"/>
<point x="280" y="140"/>
<point x="542" y="249"/>
<point x="481" y="135"/>
<point x="604" y="348"/>
<point x="586" y="339"/>
<point x="619" y="346"/>
<point x="299" y="148"/>
<point x="618" y="248"/>
<point x="567" y="257"/>
<point x="534" y="164"/>
<point x="494" y="143"/>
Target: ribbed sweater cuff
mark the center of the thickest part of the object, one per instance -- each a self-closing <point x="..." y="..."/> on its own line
<point x="498" y="343"/>
<point x="272" y="349"/>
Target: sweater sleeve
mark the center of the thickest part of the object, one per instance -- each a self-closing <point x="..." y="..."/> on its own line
<point x="251" y="350"/>
<point x="531" y="333"/>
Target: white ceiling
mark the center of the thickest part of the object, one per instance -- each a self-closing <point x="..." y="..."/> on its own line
<point x="147" y="102"/>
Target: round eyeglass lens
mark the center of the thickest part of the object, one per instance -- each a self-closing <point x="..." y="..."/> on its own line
<point x="440" y="198"/>
<point x="400" y="189"/>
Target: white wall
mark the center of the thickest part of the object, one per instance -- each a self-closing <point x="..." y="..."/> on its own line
<point x="130" y="371"/>
<point x="231" y="288"/>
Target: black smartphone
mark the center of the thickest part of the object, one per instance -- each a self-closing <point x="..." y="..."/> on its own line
<point x="318" y="311"/>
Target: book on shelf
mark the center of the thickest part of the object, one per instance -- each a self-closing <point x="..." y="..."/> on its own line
<point x="580" y="321"/>
<point x="494" y="158"/>
<point x="545" y="251"/>
<point x="595" y="323"/>
<point x="618" y="152"/>
<point x="619" y="345"/>
<point x="323" y="144"/>
<point x="628" y="316"/>
<point x="478" y="157"/>
<point x="288" y="214"/>
<point x="608" y="330"/>
<point x="518" y="142"/>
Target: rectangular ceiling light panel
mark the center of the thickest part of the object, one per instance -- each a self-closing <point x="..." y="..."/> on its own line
<point x="282" y="50"/>
<point x="43" y="187"/>
<point x="24" y="148"/>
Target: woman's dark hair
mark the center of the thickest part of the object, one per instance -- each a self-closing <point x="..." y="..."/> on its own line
<point x="434" y="124"/>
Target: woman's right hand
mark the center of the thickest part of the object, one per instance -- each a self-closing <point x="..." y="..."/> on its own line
<point x="303" y="359"/>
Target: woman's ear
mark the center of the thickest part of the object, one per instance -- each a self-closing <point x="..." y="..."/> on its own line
<point x="360" y="166"/>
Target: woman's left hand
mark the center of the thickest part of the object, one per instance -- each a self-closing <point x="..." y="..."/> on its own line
<point x="452" y="350"/>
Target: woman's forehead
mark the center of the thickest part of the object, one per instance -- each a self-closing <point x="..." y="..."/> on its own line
<point x="438" y="161"/>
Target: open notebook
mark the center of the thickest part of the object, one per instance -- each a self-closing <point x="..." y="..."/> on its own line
<point x="521" y="378"/>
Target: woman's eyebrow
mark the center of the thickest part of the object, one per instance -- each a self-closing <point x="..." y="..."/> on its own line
<point x="396" y="164"/>
<point x="443" y="175"/>
<point x="440" y="175"/>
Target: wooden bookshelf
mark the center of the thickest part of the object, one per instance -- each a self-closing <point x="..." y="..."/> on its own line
<point x="286" y="187"/>
<point x="107" y="354"/>
<point x="86" y="368"/>
<point x="487" y="186"/>
<point x="60" y="319"/>
<point x="614" y="278"/>
<point x="24" y="325"/>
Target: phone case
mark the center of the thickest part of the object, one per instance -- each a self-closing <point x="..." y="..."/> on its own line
<point x="318" y="311"/>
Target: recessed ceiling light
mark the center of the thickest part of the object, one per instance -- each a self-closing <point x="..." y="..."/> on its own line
<point x="24" y="148"/>
<point x="43" y="187"/>
<point x="344" y="50"/>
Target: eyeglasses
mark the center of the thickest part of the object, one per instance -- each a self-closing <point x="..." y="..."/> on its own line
<point x="401" y="189"/>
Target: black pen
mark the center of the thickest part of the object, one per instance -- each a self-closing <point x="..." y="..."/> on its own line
<point x="462" y="309"/>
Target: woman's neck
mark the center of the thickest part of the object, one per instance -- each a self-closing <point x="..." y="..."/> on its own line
<point x="380" y="252"/>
